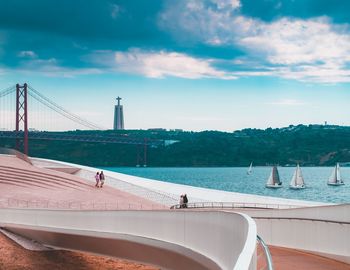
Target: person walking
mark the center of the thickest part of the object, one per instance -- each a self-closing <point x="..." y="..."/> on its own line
<point x="102" y="179"/>
<point x="97" y="178"/>
<point x="185" y="200"/>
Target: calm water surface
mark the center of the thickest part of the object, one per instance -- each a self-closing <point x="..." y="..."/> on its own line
<point x="237" y="180"/>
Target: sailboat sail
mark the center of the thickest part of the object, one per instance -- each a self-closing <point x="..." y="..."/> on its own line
<point x="335" y="178"/>
<point x="250" y="168"/>
<point x="276" y="176"/>
<point x="274" y="179"/>
<point x="270" y="180"/>
<point x="297" y="179"/>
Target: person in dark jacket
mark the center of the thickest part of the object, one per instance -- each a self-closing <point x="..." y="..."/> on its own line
<point x="185" y="201"/>
<point x="102" y="179"/>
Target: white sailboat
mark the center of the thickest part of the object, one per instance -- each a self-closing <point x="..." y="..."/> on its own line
<point x="297" y="181"/>
<point x="335" y="178"/>
<point x="274" y="179"/>
<point x="249" y="172"/>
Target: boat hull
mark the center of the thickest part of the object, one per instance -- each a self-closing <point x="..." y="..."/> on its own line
<point x="297" y="187"/>
<point x="336" y="184"/>
<point x="273" y="186"/>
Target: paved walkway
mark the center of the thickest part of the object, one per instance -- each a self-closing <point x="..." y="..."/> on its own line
<point x="24" y="185"/>
<point x="291" y="259"/>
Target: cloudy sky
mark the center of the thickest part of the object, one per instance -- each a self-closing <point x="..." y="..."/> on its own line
<point x="190" y="64"/>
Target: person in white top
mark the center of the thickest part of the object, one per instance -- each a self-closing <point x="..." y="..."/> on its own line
<point x="97" y="178"/>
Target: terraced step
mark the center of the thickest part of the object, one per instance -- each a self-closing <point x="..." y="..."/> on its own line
<point x="38" y="182"/>
<point x="75" y="182"/>
<point x="4" y="182"/>
<point x="54" y="182"/>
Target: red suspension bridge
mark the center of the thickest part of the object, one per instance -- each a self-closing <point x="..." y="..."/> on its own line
<point x="26" y="114"/>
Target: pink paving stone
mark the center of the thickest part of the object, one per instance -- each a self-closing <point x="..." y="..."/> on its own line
<point x="88" y="197"/>
<point x="292" y="259"/>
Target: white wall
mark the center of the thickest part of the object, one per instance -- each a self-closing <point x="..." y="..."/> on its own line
<point x="323" y="230"/>
<point x="188" y="239"/>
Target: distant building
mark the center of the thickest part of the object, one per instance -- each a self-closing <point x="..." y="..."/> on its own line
<point x="157" y="129"/>
<point x="118" y="116"/>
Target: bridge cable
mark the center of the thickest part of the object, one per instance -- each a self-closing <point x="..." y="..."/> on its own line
<point x="7" y="91"/>
<point x="57" y="108"/>
<point x="66" y="115"/>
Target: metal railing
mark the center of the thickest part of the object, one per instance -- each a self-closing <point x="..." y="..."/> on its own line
<point x="267" y="253"/>
<point x="76" y="205"/>
<point x="233" y="205"/>
<point x="302" y="219"/>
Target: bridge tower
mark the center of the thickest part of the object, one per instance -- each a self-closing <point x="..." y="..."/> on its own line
<point x="22" y="117"/>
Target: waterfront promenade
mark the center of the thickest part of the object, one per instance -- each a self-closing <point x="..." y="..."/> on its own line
<point x="25" y="185"/>
<point x="52" y="185"/>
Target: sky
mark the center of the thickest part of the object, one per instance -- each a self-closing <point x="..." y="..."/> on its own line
<point x="183" y="64"/>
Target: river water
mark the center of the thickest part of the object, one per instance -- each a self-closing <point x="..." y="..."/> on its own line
<point x="236" y="179"/>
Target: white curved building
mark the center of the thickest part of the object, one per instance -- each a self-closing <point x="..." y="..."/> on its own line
<point x="207" y="238"/>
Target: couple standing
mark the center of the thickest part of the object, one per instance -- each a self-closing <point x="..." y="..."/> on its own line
<point x="100" y="179"/>
<point x="183" y="201"/>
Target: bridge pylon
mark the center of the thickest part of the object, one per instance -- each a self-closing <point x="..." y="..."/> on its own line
<point x="22" y="117"/>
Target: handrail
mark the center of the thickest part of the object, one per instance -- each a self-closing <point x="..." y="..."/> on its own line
<point x="232" y="205"/>
<point x="305" y="219"/>
<point x="266" y="251"/>
<point x="75" y="205"/>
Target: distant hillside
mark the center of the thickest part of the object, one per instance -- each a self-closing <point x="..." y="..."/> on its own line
<point x="308" y="145"/>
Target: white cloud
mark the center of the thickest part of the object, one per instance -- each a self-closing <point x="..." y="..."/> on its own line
<point x="231" y="4"/>
<point x="289" y="41"/>
<point x="162" y="64"/>
<point x="51" y="68"/>
<point x="309" y="50"/>
<point x="29" y="54"/>
<point x="319" y="74"/>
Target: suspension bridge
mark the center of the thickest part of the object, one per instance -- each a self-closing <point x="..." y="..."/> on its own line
<point x="26" y="114"/>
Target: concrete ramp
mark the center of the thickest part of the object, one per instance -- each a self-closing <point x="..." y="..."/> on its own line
<point x="169" y="239"/>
